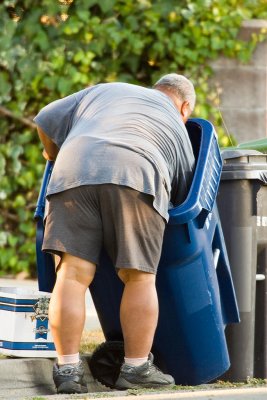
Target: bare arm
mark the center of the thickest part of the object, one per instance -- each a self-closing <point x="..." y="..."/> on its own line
<point x="50" y="148"/>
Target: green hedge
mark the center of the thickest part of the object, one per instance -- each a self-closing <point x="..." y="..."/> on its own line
<point x="50" y="49"/>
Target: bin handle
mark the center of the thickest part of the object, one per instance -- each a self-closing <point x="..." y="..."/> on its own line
<point x="216" y="255"/>
<point x="40" y="206"/>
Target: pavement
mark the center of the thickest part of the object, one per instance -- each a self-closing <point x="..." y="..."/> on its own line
<point x="31" y="378"/>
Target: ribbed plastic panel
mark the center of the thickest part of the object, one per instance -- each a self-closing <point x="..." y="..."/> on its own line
<point x="206" y="179"/>
<point x="211" y="177"/>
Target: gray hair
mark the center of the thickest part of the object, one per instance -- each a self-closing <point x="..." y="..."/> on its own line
<point x="182" y="87"/>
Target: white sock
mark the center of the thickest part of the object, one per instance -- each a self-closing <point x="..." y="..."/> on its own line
<point x="68" y="359"/>
<point x="135" y="362"/>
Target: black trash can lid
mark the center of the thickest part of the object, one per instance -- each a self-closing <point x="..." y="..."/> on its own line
<point x="236" y="153"/>
<point x="244" y="164"/>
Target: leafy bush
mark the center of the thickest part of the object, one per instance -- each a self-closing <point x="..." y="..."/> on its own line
<point x="51" y="49"/>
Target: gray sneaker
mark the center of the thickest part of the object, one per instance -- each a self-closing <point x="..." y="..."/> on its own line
<point x="146" y="375"/>
<point x="68" y="378"/>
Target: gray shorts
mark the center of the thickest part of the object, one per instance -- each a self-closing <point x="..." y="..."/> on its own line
<point x="82" y="220"/>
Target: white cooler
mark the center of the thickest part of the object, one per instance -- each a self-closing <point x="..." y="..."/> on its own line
<point x="24" y="325"/>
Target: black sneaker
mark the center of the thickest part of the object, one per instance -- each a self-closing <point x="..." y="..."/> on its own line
<point x="68" y="378"/>
<point x="146" y="375"/>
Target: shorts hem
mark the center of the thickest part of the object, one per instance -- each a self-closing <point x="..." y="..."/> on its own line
<point x="139" y="268"/>
<point x="58" y="249"/>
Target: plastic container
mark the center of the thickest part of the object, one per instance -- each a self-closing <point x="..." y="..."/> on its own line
<point x="196" y="295"/>
<point x="45" y="264"/>
<point x="242" y="203"/>
<point x="24" y="327"/>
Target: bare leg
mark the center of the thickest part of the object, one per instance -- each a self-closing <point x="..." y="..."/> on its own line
<point x="138" y="312"/>
<point x="67" y="304"/>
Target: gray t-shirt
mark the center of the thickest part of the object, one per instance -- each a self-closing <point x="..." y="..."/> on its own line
<point x="122" y="134"/>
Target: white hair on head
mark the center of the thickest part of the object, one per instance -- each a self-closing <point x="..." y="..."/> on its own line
<point x="179" y="85"/>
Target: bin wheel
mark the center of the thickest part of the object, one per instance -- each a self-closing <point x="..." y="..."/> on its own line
<point x="106" y="361"/>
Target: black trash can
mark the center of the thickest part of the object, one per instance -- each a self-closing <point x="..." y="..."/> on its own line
<point x="242" y="204"/>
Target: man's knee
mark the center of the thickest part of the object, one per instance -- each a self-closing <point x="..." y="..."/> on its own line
<point x="76" y="268"/>
<point x="134" y="275"/>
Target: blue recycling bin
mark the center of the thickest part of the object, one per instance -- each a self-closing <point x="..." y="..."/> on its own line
<point x="45" y="264"/>
<point x="194" y="282"/>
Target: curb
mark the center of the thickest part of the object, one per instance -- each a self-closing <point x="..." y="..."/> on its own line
<point x="24" y="377"/>
<point x="31" y="378"/>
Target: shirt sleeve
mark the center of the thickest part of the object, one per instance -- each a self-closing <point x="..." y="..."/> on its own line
<point x="55" y="119"/>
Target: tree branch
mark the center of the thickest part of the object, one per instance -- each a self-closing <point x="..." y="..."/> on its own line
<point x="9" y="114"/>
<point x="9" y="216"/>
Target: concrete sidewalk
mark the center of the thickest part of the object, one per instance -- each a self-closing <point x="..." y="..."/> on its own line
<point x="31" y="378"/>
<point x="23" y="379"/>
